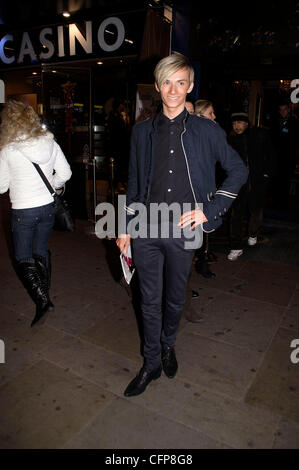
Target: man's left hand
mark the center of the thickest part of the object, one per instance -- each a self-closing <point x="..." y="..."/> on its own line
<point x="193" y="218"/>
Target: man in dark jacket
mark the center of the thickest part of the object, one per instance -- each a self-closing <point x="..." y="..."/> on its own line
<point x="172" y="163"/>
<point x="256" y="150"/>
<point x="285" y="133"/>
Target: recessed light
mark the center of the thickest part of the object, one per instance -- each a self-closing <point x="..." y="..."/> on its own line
<point x="54" y="71"/>
<point x="100" y="63"/>
<point x="66" y="14"/>
<point x="34" y="73"/>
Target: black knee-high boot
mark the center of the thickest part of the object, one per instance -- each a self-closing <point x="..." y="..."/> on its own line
<point x="31" y="279"/>
<point x="45" y="273"/>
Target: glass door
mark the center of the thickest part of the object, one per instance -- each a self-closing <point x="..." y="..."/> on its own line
<point x="67" y="112"/>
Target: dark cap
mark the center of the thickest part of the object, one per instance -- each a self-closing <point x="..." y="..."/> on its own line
<point x="239" y="117"/>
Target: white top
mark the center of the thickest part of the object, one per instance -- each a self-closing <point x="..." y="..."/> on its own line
<point x="26" y="188"/>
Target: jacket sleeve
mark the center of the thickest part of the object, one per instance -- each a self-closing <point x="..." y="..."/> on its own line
<point x="132" y="190"/>
<point x="4" y="174"/>
<point x="62" y="168"/>
<point x="237" y="175"/>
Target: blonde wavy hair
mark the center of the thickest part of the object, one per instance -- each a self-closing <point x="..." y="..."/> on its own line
<point x="19" y="121"/>
<point x="201" y="106"/>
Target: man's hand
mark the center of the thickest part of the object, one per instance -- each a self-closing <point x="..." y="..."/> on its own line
<point x="123" y="243"/>
<point x="195" y="218"/>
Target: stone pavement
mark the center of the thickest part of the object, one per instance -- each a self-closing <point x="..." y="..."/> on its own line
<point x="62" y="384"/>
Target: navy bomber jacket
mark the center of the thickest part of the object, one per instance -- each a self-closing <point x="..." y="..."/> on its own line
<point x="204" y="143"/>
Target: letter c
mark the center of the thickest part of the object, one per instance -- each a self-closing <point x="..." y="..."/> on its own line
<point x="4" y="58"/>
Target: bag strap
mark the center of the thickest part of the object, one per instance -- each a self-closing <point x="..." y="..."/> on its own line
<point x="45" y="180"/>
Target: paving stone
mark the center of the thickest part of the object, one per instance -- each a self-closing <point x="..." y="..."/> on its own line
<point x="291" y="316"/>
<point x="128" y="426"/>
<point x="45" y="406"/>
<point x="76" y="311"/>
<point x="117" y="333"/>
<point x="17" y="330"/>
<point x="223" y="282"/>
<point x="217" y="366"/>
<point x="229" y="421"/>
<point x="274" y="291"/>
<point x="107" y="369"/>
<point x="232" y="319"/>
<point x="17" y="360"/>
<point x="286" y="435"/>
<point x="15" y="297"/>
<point x="276" y="384"/>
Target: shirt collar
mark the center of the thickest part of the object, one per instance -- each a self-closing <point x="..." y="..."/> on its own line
<point x="178" y="119"/>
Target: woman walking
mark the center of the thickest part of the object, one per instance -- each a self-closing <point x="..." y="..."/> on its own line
<point x="24" y="141"/>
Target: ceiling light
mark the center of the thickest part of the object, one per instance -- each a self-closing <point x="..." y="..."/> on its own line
<point x="66" y="14"/>
<point x="100" y="63"/>
<point x="34" y="73"/>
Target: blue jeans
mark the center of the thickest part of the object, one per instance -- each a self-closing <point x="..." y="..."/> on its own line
<point x="31" y="229"/>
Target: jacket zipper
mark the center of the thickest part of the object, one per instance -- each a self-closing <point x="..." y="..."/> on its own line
<point x="192" y="189"/>
<point x="149" y="184"/>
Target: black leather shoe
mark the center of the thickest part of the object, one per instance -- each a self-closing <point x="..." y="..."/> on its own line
<point x="169" y="362"/>
<point x="141" y="381"/>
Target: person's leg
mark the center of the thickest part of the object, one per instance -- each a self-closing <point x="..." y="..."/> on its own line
<point x="189" y="311"/>
<point x="23" y="228"/>
<point x="236" y="222"/>
<point x="149" y="260"/>
<point x="177" y="268"/>
<point x="24" y="223"/>
<point x="256" y="219"/>
<point x="42" y="232"/>
<point x="202" y="264"/>
<point x="40" y="250"/>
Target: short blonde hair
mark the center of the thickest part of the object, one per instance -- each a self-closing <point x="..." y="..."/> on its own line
<point x="202" y="105"/>
<point x="171" y="64"/>
<point x="19" y="120"/>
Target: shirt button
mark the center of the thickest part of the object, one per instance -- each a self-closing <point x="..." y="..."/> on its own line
<point x="169" y="190"/>
<point x="171" y="132"/>
<point x="171" y="151"/>
<point x="170" y="171"/>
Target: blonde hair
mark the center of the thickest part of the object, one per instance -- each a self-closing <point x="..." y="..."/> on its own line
<point x="202" y="105"/>
<point x="19" y="120"/>
<point x="171" y="64"/>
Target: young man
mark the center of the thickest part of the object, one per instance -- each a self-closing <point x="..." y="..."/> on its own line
<point x="173" y="159"/>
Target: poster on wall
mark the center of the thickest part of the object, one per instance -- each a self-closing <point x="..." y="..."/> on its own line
<point x="147" y="102"/>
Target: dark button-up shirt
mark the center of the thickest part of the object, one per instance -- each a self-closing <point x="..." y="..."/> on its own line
<point x="170" y="178"/>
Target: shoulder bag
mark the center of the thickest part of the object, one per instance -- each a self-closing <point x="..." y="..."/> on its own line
<point x="62" y="212"/>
